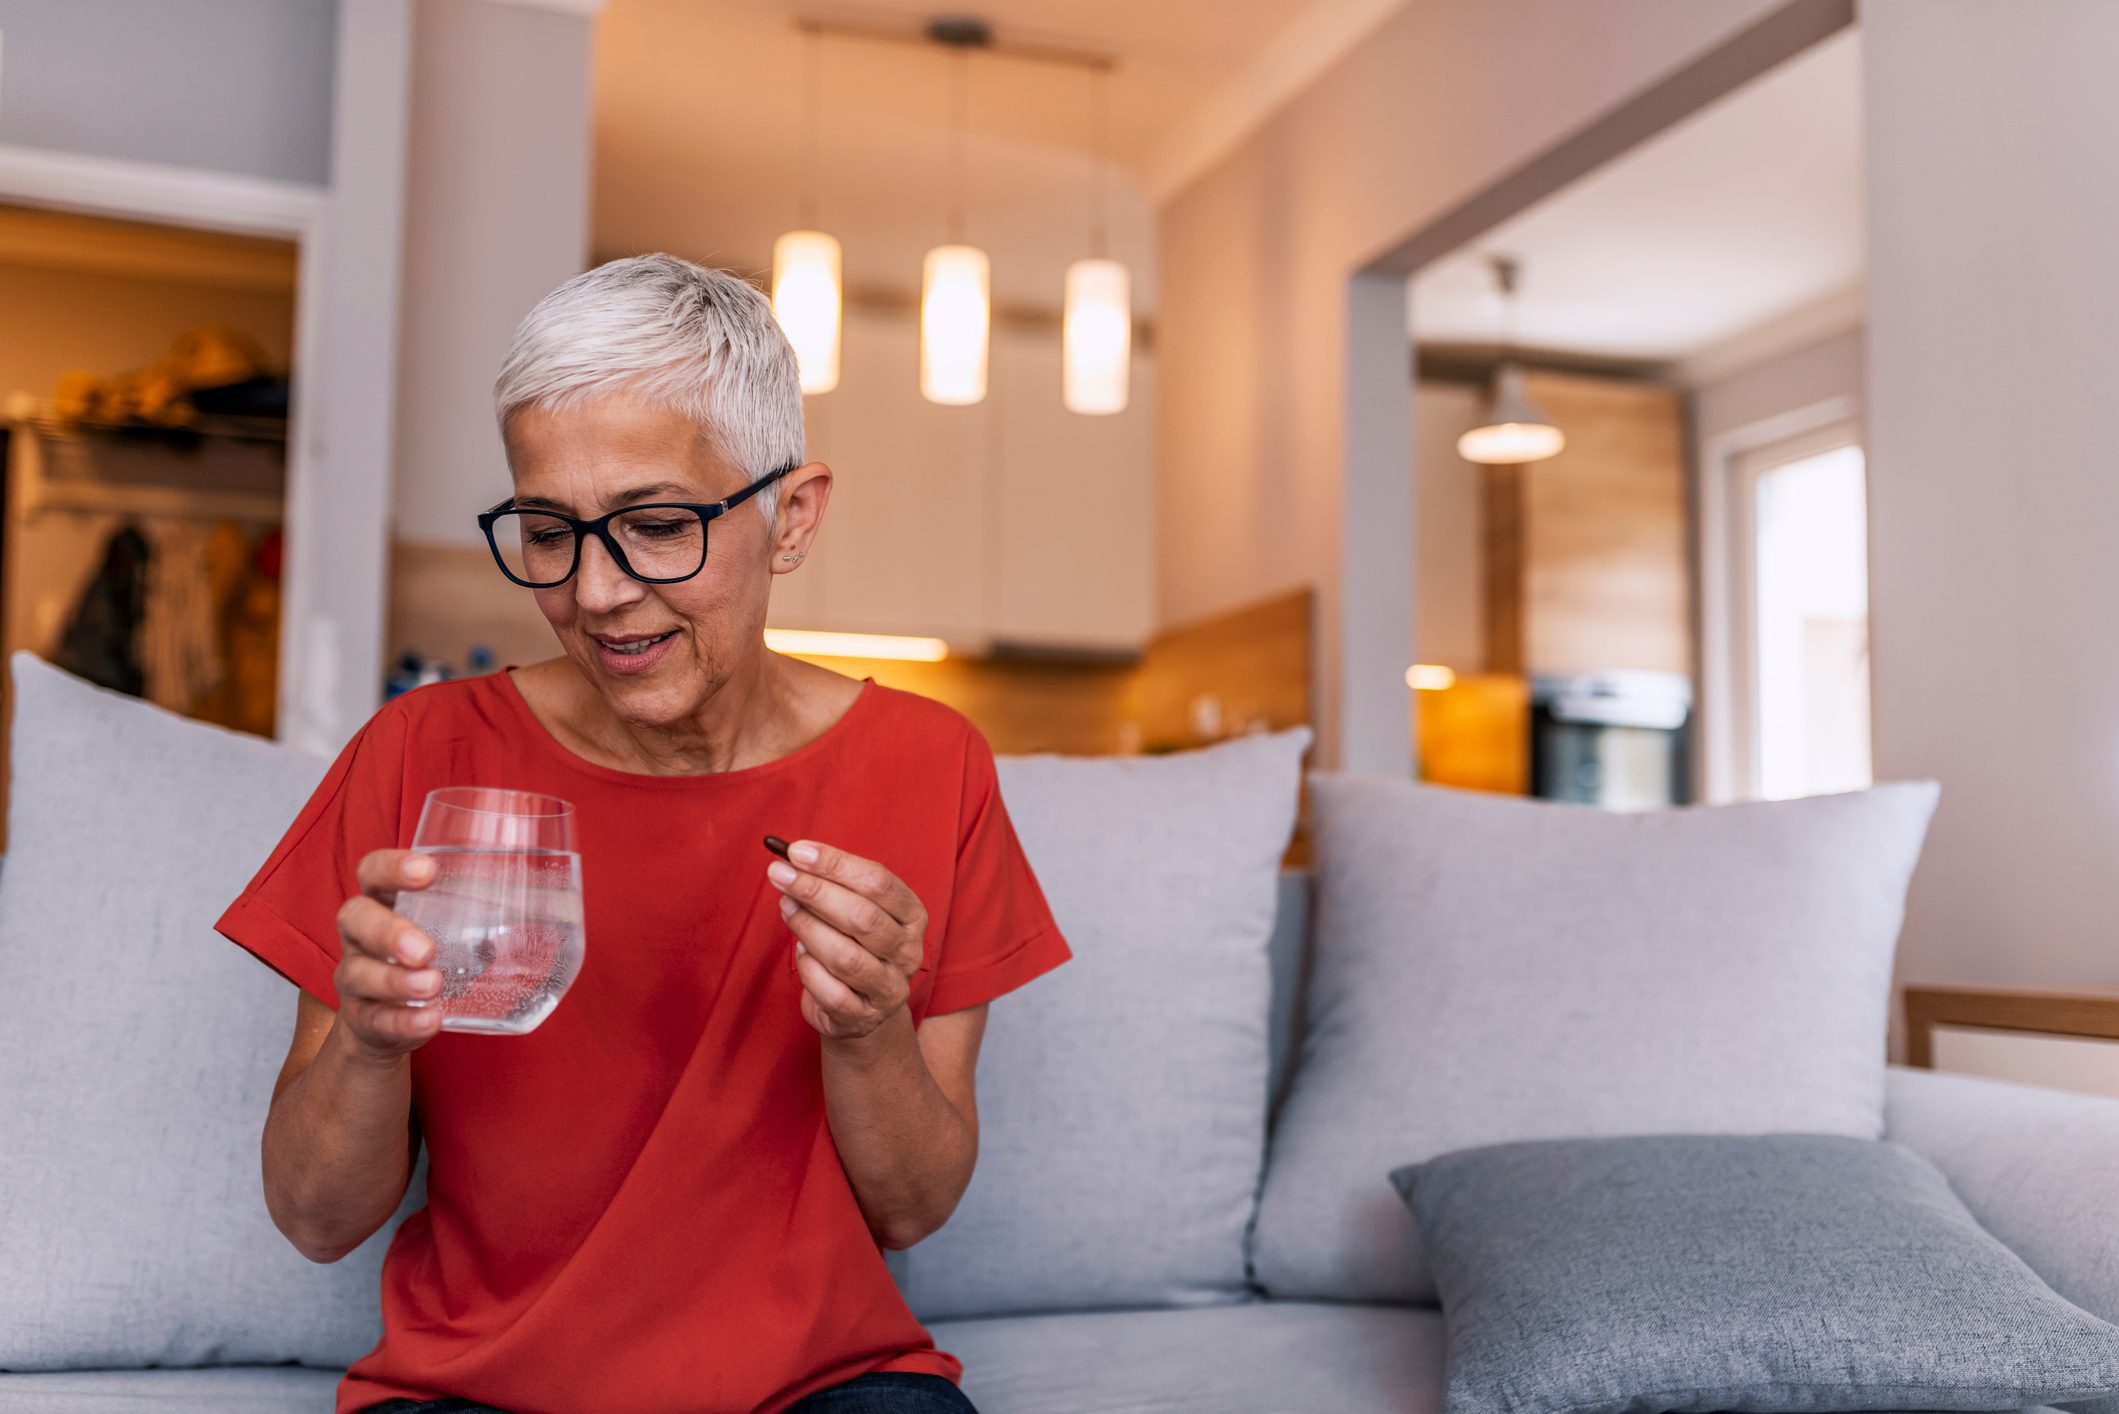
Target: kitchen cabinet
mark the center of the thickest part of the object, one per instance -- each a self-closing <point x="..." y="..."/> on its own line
<point x="1013" y="521"/>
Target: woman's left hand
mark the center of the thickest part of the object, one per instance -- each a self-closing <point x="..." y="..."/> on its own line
<point x="859" y="934"/>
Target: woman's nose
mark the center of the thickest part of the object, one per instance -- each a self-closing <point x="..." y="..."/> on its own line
<point x="599" y="583"/>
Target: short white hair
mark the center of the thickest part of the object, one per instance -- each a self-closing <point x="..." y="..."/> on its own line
<point x="698" y="341"/>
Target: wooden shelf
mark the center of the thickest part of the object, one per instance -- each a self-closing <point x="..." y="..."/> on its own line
<point x="113" y="469"/>
<point x="205" y="427"/>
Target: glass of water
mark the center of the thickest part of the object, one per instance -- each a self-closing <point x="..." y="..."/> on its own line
<point x="504" y="909"/>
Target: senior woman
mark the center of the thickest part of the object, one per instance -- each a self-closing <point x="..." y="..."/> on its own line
<point x="673" y="1196"/>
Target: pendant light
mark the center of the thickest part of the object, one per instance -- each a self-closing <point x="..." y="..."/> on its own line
<point x="807" y="289"/>
<point x="1513" y="431"/>
<point x="1097" y="330"/>
<point x="957" y="279"/>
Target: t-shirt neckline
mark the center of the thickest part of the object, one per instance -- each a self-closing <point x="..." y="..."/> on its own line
<point x="553" y="746"/>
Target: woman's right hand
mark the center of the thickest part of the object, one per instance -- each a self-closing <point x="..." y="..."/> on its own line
<point x="384" y="959"/>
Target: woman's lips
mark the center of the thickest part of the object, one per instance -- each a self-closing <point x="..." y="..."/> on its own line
<point x="627" y="664"/>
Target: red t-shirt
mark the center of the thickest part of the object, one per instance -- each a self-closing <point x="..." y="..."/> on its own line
<point x="638" y="1205"/>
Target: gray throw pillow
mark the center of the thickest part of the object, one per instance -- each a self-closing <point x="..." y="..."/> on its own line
<point x="1488" y="970"/>
<point x="139" y="1051"/>
<point x="1771" y="1272"/>
<point x="1122" y="1099"/>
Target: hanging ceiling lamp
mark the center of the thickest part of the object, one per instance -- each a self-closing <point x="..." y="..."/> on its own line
<point x="807" y="289"/>
<point x="1513" y="430"/>
<point x="957" y="280"/>
<point x="1098" y="327"/>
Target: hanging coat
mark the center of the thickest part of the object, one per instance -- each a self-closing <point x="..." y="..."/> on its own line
<point x="101" y="640"/>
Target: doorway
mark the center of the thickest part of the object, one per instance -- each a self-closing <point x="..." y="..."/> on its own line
<point x="145" y="393"/>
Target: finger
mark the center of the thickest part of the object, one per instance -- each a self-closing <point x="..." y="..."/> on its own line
<point x="863" y="876"/>
<point x="852" y="913"/>
<point x="372" y="979"/>
<point x="382" y="872"/>
<point x="843" y="957"/>
<point x="838" y="999"/>
<point x="399" y="1023"/>
<point x="376" y="931"/>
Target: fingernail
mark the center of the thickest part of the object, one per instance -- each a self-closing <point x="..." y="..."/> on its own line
<point x="787" y="906"/>
<point x="799" y="949"/>
<point x="419" y="868"/>
<point x="780" y="873"/>
<point x="412" y="948"/>
<point x="802" y="852"/>
<point x="424" y="983"/>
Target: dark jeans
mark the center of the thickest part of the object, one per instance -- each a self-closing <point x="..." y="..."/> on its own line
<point x="884" y="1392"/>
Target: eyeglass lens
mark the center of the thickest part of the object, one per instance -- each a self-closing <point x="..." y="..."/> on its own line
<point x="658" y="543"/>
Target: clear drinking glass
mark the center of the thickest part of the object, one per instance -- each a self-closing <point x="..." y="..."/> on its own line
<point x="504" y="909"/>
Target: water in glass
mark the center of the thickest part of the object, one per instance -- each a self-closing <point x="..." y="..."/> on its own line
<point x="504" y="909"/>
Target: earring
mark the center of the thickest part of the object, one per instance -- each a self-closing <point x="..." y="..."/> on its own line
<point x="796" y="557"/>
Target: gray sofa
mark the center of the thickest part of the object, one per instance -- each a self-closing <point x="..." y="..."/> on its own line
<point x="2040" y="1169"/>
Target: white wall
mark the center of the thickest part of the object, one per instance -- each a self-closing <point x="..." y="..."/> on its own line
<point x="1449" y="530"/>
<point x="497" y="213"/>
<point x="1994" y="496"/>
<point x="1436" y="106"/>
<point x="1822" y="372"/>
<point x="241" y="86"/>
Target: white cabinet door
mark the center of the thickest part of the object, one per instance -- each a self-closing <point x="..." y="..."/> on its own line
<point x="1013" y="519"/>
<point x="904" y="547"/>
<point x="1074" y="523"/>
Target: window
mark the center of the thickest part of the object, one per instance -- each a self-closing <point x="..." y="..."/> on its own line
<point x="1803" y="608"/>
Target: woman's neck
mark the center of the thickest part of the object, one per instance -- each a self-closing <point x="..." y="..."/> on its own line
<point x="769" y="706"/>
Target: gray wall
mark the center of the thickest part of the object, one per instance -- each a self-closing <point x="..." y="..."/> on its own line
<point x="1994" y="488"/>
<point x="239" y="86"/>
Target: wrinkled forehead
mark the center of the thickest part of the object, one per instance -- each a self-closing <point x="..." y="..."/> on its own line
<point x="597" y="453"/>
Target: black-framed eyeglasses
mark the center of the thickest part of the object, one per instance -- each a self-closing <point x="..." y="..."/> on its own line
<point x="657" y="542"/>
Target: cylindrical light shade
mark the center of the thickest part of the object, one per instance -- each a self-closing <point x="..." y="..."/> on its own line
<point x="806" y="302"/>
<point x="1098" y="332"/>
<point x="954" y="305"/>
<point x="1514" y="431"/>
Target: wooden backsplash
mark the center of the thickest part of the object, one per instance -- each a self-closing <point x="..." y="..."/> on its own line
<point x="1586" y="557"/>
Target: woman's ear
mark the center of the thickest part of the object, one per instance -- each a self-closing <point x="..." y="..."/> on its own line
<point x="804" y="492"/>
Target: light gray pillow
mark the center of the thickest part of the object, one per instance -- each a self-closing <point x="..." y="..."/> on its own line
<point x="1690" y="1272"/>
<point x="1122" y="1099"/>
<point x="139" y="1051"/>
<point x="1490" y="969"/>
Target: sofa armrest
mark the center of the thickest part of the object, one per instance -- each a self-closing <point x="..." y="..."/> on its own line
<point x="2083" y="1015"/>
<point x="2038" y="1168"/>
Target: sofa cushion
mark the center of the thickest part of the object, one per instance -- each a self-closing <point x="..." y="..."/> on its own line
<point x="1490" y="969"/>
<point x="1705" y="1272"/>
<point x="229" y="1389"/>
<point x="1261" y="1357"/>
<point x="140" y="1050"/>
<point x="2038" y="1168"/>
<point x="1122" y="1099"/>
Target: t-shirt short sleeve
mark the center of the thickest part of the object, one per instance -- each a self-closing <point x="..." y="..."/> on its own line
<point x="287" y="917"/>
<point x="1000" y="931"/>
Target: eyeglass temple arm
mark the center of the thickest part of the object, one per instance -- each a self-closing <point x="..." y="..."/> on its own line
<point x="756" y="486"/>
